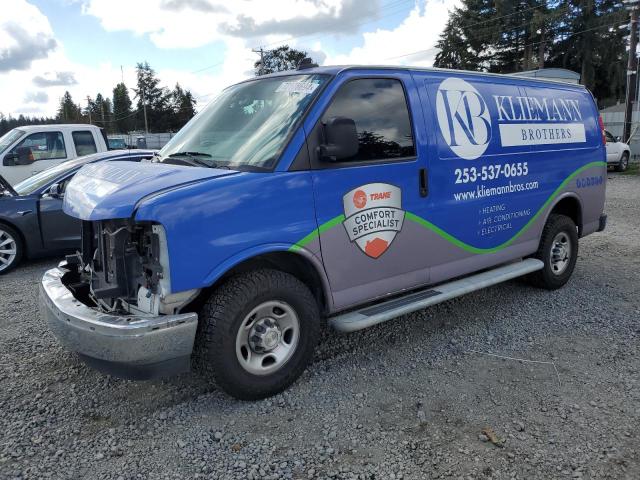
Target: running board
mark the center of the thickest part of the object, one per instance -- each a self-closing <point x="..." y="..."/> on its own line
<point x="381" y="312"/>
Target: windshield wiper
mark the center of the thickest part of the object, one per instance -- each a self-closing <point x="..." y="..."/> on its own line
<point x="193" y="157"/>
<point x="189" y="154"/>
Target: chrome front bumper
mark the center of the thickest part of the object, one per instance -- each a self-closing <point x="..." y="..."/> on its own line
<point x="137" y="347"/>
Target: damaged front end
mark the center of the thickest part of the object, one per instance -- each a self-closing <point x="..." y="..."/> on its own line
<point x="112" y="302"/>
<point x="124" y="268"/>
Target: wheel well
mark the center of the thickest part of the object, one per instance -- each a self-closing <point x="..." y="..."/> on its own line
<point x="25" y="250"/>
<point x="292" y="263"/>
<point x="570" y="206"/>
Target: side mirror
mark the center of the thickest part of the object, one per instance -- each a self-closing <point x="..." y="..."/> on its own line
<point x="341" y="139"/>
<point x="617" y="139"/>
<point x="9" y="160"/>
<point x="25" y="157"/>
<point x="54" y="191"/>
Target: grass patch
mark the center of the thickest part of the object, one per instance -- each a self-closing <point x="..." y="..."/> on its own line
<point x="634" y="169"/>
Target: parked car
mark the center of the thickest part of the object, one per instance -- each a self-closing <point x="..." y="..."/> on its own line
<point x="117" y="143"/>
<point x="618" y="152"/>
<point x="28" y="150"/>
<point x="32" y="223"/>
<point x="355" y="194"/>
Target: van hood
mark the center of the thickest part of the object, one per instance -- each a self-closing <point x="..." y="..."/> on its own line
<point x="108" y="190"/>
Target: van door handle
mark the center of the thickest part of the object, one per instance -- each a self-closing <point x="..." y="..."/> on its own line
<point x="424" y="185"/>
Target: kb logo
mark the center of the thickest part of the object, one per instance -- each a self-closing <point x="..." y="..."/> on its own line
<point x="463" y="117"/>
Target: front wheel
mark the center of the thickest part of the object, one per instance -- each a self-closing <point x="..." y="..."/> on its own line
<point x="10" y="248"/>
<point x="624" y="163"/>
<point x="257" y="333"/>
<point x="558" y="251"/>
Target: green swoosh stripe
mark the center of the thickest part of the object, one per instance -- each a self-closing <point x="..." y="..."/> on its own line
<point x="450" y="238"/>
<point x="316" y="233"/>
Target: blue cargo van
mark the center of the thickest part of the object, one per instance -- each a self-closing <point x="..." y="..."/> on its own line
<point x="346" y="194"/>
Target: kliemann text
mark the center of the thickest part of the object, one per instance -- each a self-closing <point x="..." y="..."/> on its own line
<point x="559" y="120"/>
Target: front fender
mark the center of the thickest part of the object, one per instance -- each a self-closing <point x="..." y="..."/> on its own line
<point x="212" y="226"/>
<point x="250" y="253"/>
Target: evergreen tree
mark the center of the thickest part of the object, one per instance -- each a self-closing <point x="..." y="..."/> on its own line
<point x="588" y="41"/>
<point x="183" y="106"/>
<point x="101" y="112"/>
<point x="156" y="98"/>
<point x="68" y="111"/>
<point x="9" y="123"/>
<point x="279" y="59"/>
<point x="89" y="111"/>
<point x="511" y="36"/>
<point x="460" y="45"/>
<point x="107" y="108"/>
<point x="122" y="114"/>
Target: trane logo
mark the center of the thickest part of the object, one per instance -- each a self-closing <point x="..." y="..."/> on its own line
<point x="360" y="198"/>
<point x="380" y="196"/>
<point x="373" y="228"/>
<point x="463" y="118"/>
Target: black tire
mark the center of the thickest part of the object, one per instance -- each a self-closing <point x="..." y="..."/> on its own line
<point x="9" y="233"/>
<point x="549" y="277"/>
<point x="225" y="312"/>
<point x="624" y="163"/>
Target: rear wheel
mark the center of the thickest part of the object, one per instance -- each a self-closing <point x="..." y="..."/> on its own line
<point x="558" y="251"/>
<point x="11" y="248"/>
<point x="624" y="162"/>
<point x="257" y="333"/>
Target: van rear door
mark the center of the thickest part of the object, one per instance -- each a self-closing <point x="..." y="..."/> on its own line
<point x="361" y="202"/>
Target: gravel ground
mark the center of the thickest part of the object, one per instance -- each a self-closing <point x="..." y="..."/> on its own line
<point x="406" y="399"/>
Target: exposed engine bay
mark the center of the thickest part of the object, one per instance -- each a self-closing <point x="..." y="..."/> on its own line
<point x="123" y="267"/>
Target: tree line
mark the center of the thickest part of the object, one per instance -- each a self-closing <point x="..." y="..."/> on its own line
<point x="166" y="109"/>
<point x="586" y="36"/>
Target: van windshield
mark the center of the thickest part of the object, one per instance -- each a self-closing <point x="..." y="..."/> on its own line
<point x="247" y="125"/>
<point x="8" y="138"/>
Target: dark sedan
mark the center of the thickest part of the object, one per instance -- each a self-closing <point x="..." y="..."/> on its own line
<point x="32" y="223"/>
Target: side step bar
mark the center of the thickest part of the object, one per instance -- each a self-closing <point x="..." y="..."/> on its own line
<point x="381" y="312"/>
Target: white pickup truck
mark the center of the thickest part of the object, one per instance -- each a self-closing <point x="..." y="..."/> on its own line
<point x="25" y="151"/>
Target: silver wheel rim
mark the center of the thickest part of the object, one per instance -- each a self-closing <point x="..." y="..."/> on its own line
<point x="8" y="249"/>
<point x="560" y="253"/>
<point x="267" y="338"/>
<point x="625" y="162"/>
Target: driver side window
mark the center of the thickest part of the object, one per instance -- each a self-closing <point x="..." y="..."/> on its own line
<point x="43" y="146"/>
<point x="379" y="110"/>
<point x="610" y="138"/>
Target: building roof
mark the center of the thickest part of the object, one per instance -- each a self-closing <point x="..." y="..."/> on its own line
<point x="559" y="74"/>
<point x="619" y="107"/>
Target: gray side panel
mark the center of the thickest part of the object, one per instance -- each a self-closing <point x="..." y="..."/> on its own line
<point x="392" y="272"/>
<point x="592" y="198"/>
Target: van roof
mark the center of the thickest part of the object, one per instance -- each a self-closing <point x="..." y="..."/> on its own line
<point x="55" y="126"/>
<point x="335" y="69"/>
